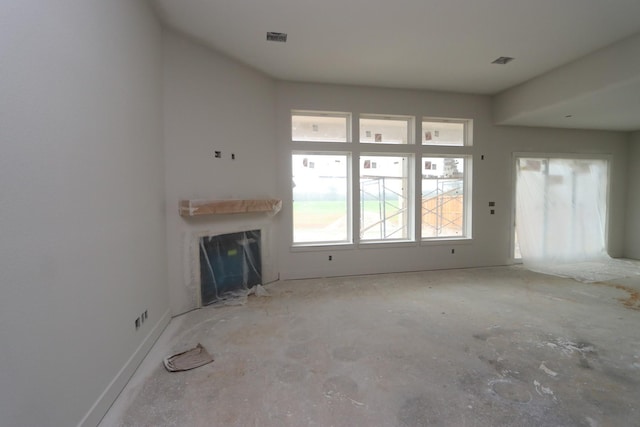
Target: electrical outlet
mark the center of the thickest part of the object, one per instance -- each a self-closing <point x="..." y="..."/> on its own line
<point x="217" y="154"/>
<point x="137" y="323"/>
<point x="453" y="251"/>
<point x="330" y="257"/>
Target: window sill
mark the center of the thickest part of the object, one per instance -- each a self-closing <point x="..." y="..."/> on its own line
<point x="318" y="247"/>
<point x="379" y="244"/>
<point x="446" y="241"/>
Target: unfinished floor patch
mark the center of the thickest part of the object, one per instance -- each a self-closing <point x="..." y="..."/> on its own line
<point x="515" y="348"/>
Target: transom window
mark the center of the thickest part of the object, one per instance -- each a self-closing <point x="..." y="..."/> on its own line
<point x="444" y="132"/>
<point x="385" y="129"/>
<point x="385" y="198"/>
<point x="320" y="127"/>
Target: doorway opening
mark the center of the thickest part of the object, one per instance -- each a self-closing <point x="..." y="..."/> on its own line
<point x="561" y="208"/>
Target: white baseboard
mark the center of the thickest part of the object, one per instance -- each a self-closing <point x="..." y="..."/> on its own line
<point x="109" y="395"/>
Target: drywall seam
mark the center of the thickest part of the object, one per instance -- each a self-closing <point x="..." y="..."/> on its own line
<point x="109" y="395"/>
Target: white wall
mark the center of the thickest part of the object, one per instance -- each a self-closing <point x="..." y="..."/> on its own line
<point x="213" y="103"/>
<point x="82" y="232"/>
<point x="632" y="248"/>
<point x="492" y="179"/>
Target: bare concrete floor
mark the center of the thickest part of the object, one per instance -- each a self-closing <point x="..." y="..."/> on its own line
<point x="477" y="347"/>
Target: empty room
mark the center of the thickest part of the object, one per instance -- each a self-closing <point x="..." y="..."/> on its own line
<point x="410" y="213"/>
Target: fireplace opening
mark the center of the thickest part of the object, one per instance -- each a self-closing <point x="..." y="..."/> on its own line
<point x="230" y="264"/>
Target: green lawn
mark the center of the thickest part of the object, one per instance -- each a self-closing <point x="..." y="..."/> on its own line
<point x="335" y="208"/>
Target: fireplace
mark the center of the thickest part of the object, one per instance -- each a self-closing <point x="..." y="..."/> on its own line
<point x="230" y="264"/>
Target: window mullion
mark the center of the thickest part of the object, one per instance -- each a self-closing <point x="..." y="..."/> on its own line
<point x="355" y="179"/>
<point x="417" y="194"/>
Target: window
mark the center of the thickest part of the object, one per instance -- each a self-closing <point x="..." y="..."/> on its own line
<point x="320" y="127"/>
<point x="382" y="202"/>
<point x="443" y="197"/>
<point x="385" y="129"/>
<point x="444" y="132"/>
<point x="321" y="211"/>
<point x="385" y="198"/>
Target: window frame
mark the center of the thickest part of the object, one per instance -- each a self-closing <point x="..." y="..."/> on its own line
<point x="467" y="201"/>
<point x="349" y="196"/>
<point x="414" y="150"/>
<point x="410" y="121"/>
<point x="409" y="174"/>
<point x="467" y="131"/>
<point x="308" y="113"/>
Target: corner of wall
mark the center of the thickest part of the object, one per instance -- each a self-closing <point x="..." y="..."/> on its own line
<point x="632" y="225"/>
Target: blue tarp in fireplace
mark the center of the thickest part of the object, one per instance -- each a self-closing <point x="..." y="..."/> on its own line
<point x="230" y="264"/>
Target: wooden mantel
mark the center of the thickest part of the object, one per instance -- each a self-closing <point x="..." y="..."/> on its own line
<point x="226" y="207"/>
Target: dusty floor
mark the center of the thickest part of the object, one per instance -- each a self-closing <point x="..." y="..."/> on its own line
<point x="477" y="347"/>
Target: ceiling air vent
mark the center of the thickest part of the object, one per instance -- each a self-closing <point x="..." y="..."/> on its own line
<point x="503" y="60"/>
<point x="277" y="37"/>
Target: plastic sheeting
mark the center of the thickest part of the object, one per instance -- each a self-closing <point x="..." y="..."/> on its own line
<point x="222" y="207"/>
<point x="230" y="264"/>
<point x="561" y="210"/>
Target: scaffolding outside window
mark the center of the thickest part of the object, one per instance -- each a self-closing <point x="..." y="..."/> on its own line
<point x="385" y="197"/>
<point x="443" y="197"/>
